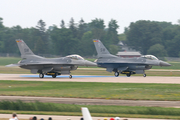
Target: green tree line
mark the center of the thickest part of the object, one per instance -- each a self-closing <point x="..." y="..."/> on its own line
<point x="149" y="37"/>
<point x="76" y="38"/>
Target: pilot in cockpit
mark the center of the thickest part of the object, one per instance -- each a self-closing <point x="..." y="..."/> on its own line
<point x="76" y="57"/>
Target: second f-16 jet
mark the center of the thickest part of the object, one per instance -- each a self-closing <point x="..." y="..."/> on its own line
<point x="127" y="66"/>
<point x="49" y="66"/>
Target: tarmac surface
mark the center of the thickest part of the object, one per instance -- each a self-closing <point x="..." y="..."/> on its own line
<point x="84" y="78"/>
<point x="120" y="79"/>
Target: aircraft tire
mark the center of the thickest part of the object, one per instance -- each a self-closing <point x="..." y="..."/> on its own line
<point x="70" y="76"/>
<point x="128" y="75"/>
<point x="53" y="76"/>
<point x="144" y="75"/>
<point x="41" y="75"/>
<point x="116" y="74"/>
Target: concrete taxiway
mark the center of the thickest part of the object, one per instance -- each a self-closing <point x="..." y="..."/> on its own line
<point x="84" y="78"/>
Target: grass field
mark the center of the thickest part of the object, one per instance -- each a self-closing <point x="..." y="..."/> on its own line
<point x="127" y="91"/>
<point x="108" y="111"/>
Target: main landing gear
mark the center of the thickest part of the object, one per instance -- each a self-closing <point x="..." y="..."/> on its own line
<point x="41" y="75"/>
<point x="116" y="74"/>
<point x="128" y="74"/>
<point x="70" y="76"/>
<point x="54" y="76"/>
<point x="144" y="75"/>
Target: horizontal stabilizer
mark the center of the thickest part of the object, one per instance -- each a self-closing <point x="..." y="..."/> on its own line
<point x="12" y="65"/>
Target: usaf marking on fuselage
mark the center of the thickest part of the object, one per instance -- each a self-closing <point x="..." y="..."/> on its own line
<point x="127" y="66"/>
<point x="48" y="66"/>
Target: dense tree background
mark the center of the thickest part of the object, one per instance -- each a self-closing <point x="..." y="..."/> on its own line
<point x="149" y="37"/>
<point x="74" y="38"/>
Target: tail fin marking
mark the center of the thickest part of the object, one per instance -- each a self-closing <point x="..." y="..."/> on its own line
<point x="24" y="49"/>
<point x="101" y="49"/>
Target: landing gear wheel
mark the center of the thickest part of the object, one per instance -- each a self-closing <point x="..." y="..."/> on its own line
<point x="70" y="76"/>
<point x="116" y="74"/>
<point x="129" y="74"/>
<point x="54" y="76"/>
<point x="41" y="75"/>
<point x="144" y="75"/>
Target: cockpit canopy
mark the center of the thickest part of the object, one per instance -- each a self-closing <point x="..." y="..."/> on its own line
<point x="75" y="57"/>
<point x="150" y="57"/>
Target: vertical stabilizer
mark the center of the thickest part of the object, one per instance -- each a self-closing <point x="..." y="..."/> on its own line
<point x="86" y="114"/>
<point x="24" y="49"/>
<point x="101" y="49"/>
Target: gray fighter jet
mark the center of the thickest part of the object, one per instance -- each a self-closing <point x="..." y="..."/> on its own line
<point x="49" y="66"/>
<point x="127" y="66"/>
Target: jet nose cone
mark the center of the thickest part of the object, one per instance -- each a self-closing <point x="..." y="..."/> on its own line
<point x="89" y="63"/>
<point x="162" y="63"/>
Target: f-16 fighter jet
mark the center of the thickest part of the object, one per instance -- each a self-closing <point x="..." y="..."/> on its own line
<point x="127" y="66"/>
<point x="48" y="66"/>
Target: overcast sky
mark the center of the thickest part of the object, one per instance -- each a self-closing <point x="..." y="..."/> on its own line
<point x="27" y="13"/>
